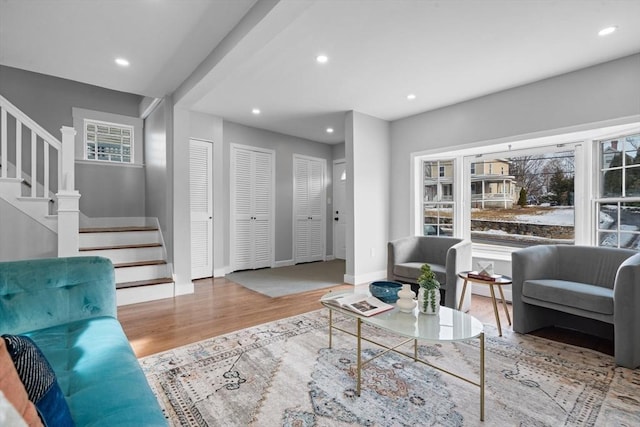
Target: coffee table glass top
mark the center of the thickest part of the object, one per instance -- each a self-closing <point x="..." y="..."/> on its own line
<point x="449" y="325"/>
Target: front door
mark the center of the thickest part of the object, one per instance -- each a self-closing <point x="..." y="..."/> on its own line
<point x="339" y="204"/>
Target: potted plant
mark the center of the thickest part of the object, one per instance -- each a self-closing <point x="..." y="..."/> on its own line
<point x="429" y="293"/>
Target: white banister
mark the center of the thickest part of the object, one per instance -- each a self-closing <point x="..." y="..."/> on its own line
<point x="12" y="121"/>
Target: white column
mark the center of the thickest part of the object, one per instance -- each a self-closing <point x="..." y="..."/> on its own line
<point x="68" y="223"/>
<point x="67" y="160"/>
<point x="68" y="197"/>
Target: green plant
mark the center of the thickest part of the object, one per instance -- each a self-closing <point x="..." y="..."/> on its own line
<point x="430" y="284"/>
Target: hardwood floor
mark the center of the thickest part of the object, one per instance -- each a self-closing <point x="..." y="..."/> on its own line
<point x="219" y="306"/>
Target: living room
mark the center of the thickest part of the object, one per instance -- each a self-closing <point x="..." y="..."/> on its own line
<point x="563" y="84"/>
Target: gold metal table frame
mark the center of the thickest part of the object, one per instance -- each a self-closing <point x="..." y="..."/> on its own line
<point x="385" y="321"/>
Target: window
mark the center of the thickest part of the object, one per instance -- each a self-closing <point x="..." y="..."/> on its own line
<point x="108" y="141"/>
<point x="530" y="202"/>
<point x="438" y="203"/>
<point x="618" y="204"/>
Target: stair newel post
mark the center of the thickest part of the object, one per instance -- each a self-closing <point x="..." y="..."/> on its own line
<point x="68" y="197"/>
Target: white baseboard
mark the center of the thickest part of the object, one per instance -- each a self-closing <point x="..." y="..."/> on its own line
<point x="220" y="272"/>
<point x="365" y="278"/>
<point x="285" y="263"/>
<point x="329" y="258"/>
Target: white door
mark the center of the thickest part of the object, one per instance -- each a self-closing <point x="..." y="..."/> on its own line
<point x="200" y="196"/>
<point x="252" y="208"/>
<point x="309" y="200"/>
<point x="339" y="214"/>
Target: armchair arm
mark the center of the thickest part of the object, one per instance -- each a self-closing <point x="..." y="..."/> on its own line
<point x="458" y="259"/>
<point x="535" y="262"/>
<point x="626" y="300"/>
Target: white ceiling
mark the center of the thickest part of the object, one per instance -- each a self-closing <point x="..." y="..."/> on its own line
<point x="379" y="51"/>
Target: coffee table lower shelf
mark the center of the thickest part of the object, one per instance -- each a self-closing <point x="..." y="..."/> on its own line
<point x="361" y="363"/>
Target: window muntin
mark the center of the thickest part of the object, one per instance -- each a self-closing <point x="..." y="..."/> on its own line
<point x="618" y="205"/>
<point x="108" y="142"/>
<point x="437" y="202"/>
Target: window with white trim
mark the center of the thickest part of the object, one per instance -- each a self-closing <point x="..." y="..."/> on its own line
<point x="109" y="142"/>
<point x="437" y="203"/>
<point x="618" y="204"/>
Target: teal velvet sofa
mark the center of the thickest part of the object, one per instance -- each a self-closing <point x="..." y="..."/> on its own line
<point x="67" y="306"/>
<point x="585" y="288"/>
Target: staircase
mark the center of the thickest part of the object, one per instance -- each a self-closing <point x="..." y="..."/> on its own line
<point x="138" y="255"/>
<point x="134" y="245"/>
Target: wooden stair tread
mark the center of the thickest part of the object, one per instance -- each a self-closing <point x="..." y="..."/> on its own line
<point x="138" y="283"/>
<point x="140" y="263"/>
<point x="133" y="246"/>
<point x="117" y="229"/>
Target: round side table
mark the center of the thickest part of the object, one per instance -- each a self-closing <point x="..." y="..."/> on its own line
<point x="498" y="281"/>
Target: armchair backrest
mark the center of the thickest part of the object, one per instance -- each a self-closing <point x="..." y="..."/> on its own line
<point x="41" y="293"/>
<point x="590" y="264"/>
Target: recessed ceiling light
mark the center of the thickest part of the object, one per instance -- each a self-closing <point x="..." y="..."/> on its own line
<point x="256" y="111"/>
<point x="411" y="96"/>
<point x="607" y="31"/>
<point x="329" y="130"/>
<point x="321" y="59"/>
<point x="122" y="62"/>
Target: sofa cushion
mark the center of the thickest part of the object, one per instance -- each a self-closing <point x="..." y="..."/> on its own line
<point x="39" y="380"/>
<point x="13" y="389"/>
<point x="572" y="294"/>
<point x="94" y="362"/>
<point x="411" y="270"/>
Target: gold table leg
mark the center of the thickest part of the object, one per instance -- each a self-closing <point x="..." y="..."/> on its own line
<point x="504" y="304"/>
<point x="330" y="327"/>
<point x="482" y="376"/>
<point x="464" y="289"/>
<point x="495" y="308"/>
<point x="359" y="358"/>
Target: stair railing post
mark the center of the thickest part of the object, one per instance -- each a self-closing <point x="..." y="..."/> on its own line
<point x="68" y="197"/>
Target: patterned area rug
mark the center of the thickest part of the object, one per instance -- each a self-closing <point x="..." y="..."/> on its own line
<point x="282" y="374"/>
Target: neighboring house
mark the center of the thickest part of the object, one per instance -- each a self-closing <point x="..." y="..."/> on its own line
<point x="491" y="185"/>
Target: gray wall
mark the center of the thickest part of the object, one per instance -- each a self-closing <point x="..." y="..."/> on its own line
<point x="285" y="147"/>
<point x="22" y="237"/>
<point x="157" y="201"/>
<point x="605" y="92"/>
<point x="106" y="191"/>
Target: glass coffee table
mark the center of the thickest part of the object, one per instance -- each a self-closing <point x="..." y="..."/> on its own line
<point x="448" y="326"/>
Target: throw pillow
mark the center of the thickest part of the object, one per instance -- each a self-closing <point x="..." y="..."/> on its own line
<point x="14" y="391"/>
<point x="39" y="381"/>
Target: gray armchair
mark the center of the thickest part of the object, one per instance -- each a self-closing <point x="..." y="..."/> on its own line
<point x="447" y="256"/>
<point x="591" y="289"/>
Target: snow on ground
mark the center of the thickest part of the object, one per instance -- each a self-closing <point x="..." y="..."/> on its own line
<point x="554" y="216"/>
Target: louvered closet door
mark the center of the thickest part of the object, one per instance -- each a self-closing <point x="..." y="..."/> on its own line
<point x="242" y="210"/>
<point x="252" y="206"/>
<point x="263" y="192"/>
<point x="309" y="198"/>
<point x="200" y="196"/>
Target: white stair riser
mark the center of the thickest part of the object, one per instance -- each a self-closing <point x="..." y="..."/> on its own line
<point x="120" y="256"/>
<point x="142" y="272"/>
<point x="92" y="240"/>
<point x="144" y="293"/>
